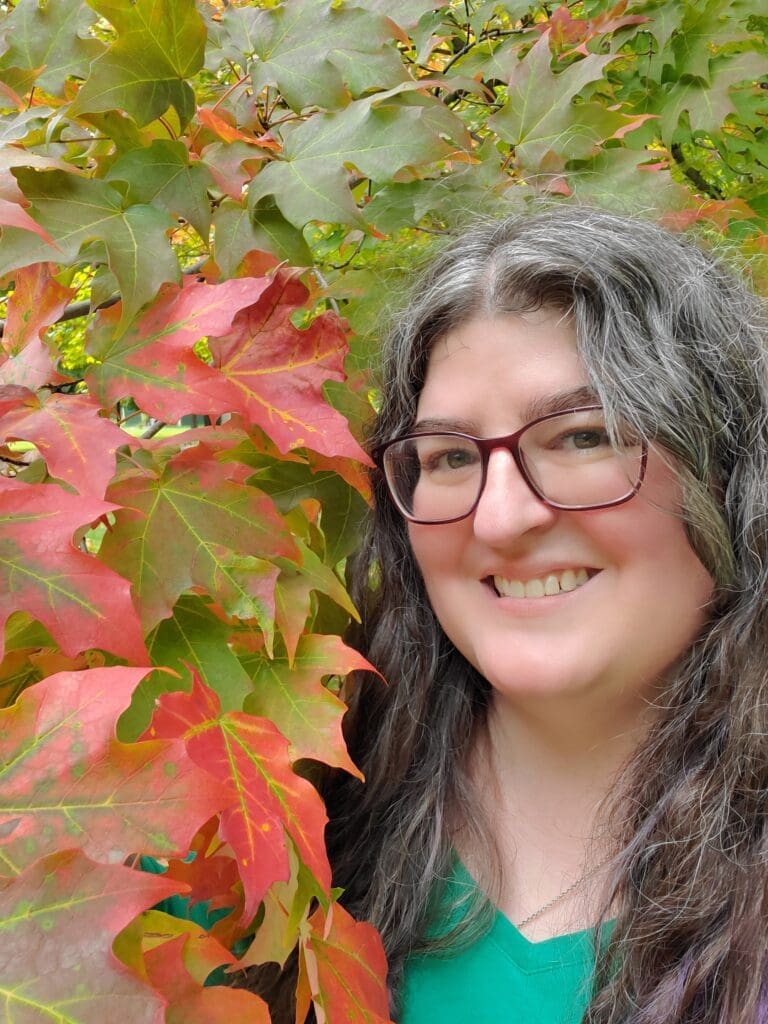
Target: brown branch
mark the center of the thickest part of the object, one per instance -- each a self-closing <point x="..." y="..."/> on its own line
<point x="83" y="308"/>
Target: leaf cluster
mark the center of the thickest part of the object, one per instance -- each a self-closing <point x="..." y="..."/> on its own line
<point x="207" y="211"/>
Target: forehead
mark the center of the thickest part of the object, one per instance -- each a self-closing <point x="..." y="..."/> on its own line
<point x="502" y="370"/>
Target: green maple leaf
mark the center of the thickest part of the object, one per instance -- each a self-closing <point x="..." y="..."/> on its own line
<point x="237" y="232"/>
<point x="703" y="29"/>
<point x="538" y="116"/>
<point x="197" y="525"/>
<point x="708" y="104"/>
<point x="49" y="37"/>
<point x="315" y="53"/>
<point x="307" y="713"/>
<point x="162" y="175"/>
<point x="380" y="136"/>
<point x="75" y="211"/>
<point x="193" y="638"/>
<point x="160" y="43"/>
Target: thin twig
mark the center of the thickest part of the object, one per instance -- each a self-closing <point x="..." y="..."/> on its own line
<point x="83" y="308"/>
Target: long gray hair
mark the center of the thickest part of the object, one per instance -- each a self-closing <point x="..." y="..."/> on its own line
<point x="676" y="345"/>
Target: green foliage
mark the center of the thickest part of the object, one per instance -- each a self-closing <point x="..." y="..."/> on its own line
<point x="160" y="161"/>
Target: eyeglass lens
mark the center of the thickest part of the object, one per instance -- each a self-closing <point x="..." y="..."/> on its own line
<point x="568" y="458"/>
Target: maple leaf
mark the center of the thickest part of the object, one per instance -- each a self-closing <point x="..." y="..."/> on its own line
<point x="79" y="446"/>
<point x="304" y="710"/>
<point x="277" y="371"/>
<point x="342" y="970"/>
<point x="79" y="600"/>
<point x="232" y="165"/>
<point x="269" y="801"/>
<point x="162" y="175"/>
<point x="13" y="214"/>
<point x="286" y="906"/>
<point x="237" y="233"/>
<point x="197" y="524"/>
<point x="210" y="875"/>
<point x="292" y="596"/>
<point x="67" y="782"/>
<point x="379" y="135"/>
<point x="57" y="924"/>
<point x="160" y="43"/>
<point x="313" y="60"/>
<point x="74" y="210"/>
<point x="49" y="42"/>
<point x="538" y="117"/>
<point x="190" y="1002"/>
<point x="37" y="300"/>
<point x="153" y="360"/>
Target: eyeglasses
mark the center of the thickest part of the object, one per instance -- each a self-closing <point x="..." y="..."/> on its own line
<point x="567" y="459"/>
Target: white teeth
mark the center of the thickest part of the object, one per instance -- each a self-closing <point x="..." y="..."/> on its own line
<point x="551" y="586"/>
<point x="568" y="580"/>
<point x="548" y="586"/>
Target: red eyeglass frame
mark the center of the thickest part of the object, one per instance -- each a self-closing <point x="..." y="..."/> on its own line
<point x="512" y="443"/>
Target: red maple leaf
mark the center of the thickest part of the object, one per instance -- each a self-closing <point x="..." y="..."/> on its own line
<point x="65" y="780"/>
<point x="81" y="602"/>
<point x="58" y="921"/>
<point x="277" y="371"/>
<point x="169" y="971"/>
<point x="268" y="800"/>
<point x="79" y="446"/>
<point x="154" y="361"/>
<point x="342" y="970"/>
<point x="36" y="302"/>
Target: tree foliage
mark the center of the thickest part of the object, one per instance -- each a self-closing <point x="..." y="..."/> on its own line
<point x="207" y="209"/>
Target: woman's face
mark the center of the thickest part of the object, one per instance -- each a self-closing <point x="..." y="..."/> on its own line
<point x="645" y="597"/>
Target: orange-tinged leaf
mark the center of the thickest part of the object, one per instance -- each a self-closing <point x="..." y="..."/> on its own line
<point x="57" y="924"/>
<point x="79" y="446"/>
<point x="210" y="874"/>
<point x="173" y="968"/>
<point x="36" y="302"/>
<point x="268" y="800"/>
<point x="80" y="601"/>
<point x="342" y="969"/>
<point x="228" y="133"/>
<point x="719" y="212"/>
<point x="65" y="780"/>
<point x="13" y="215"/>
<point x="278" y="371"/>
<point x="305" y="711"/>
<point x="286" y="906"/>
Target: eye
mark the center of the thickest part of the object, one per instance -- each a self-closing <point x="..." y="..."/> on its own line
<point x="586" y="439"/>
<point x="449" y="459"/>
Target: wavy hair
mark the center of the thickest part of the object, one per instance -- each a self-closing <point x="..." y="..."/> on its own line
<point x="675" y="344"/>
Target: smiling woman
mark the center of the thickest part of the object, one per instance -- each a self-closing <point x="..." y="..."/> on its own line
<point x="565" y="582"/>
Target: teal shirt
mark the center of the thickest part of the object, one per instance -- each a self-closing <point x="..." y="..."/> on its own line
<point x="502" y="978"/>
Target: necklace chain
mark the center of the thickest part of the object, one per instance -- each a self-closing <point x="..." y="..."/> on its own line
<point x="584" y="877"/>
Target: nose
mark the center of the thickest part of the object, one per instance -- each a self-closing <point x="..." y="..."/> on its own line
<point x="508" y="507"/>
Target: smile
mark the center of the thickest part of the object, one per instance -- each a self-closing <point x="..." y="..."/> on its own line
<point x="545" y="586"/>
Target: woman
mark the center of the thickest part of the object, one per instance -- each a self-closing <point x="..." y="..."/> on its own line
<point x="564" y="810"/>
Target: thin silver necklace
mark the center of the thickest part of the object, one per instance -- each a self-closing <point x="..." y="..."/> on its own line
<point x="581" y="880"/>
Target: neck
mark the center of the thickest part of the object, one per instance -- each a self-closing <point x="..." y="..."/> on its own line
<point x="542" y="772"/>
<point x="550" y="755"/>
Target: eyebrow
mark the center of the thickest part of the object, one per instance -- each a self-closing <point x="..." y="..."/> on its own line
<point x="560" y="401"/>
